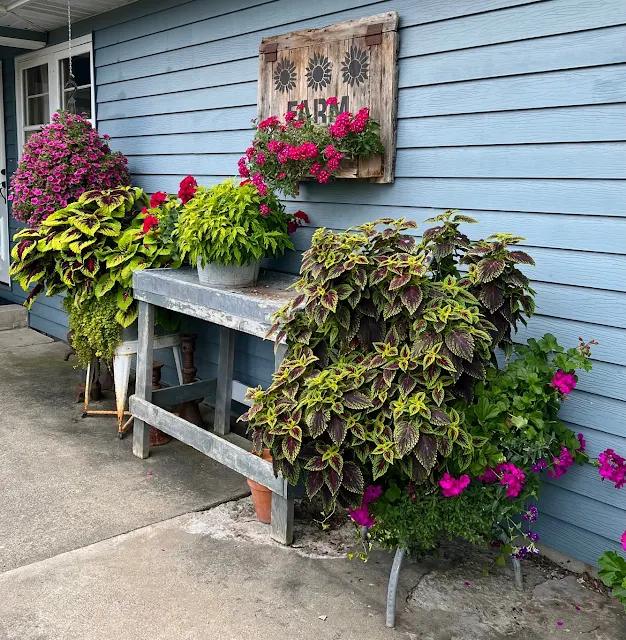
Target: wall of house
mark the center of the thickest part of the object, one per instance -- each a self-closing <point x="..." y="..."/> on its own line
<point x="512" y="110"/>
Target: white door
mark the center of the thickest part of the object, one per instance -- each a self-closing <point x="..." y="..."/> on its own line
<point x="4" y="210"/>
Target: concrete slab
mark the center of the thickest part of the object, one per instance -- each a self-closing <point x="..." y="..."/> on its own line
<point x="68" y="482"/>
<point x="13" y="316"/>
<point x="12" y="341"/>
<point x="214" y="575"/>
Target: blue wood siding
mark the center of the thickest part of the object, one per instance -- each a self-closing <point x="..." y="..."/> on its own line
<point x="512" y="110"/>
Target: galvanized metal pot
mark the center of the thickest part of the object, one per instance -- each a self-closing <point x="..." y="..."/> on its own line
<point x="227" y="276"/>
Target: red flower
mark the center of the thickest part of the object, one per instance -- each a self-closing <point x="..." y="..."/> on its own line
<point x="188" y="187"/>
<point x="301" y="106"/>
<point x="149" y="223"/>
<point x="290" y="115"/>
<point x="298" y="123"/>
<point x="264" y="210"/>
<point x="269" y="122"/>
<point x="301" y="216"/>
<point x="292" y="227"/>
<point x="331" y="100"/>
<point x="157" y="199"/>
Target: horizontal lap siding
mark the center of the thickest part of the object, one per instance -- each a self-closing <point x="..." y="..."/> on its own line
<point x="44" y="315"/>
<point x="511" y="110"/>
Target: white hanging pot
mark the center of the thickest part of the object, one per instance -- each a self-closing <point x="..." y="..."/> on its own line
<point x="228" y="276"/>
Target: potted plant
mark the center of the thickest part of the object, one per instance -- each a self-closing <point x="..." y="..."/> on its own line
<point x="89" y="251"/>
<point x="284" y="153"/>
<point x="60" y="162"/>
<point x="226" y="229"/>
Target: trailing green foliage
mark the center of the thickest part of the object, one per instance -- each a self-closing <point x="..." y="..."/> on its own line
<point x="231" y="224"/>
<point x="96" y="333"/>
<point x="417" y="518"/>
<point x="379" y="356"/>
<point x="515" y="410"/>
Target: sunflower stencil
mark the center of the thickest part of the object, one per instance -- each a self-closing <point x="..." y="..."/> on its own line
<point x="318" y="72"/>
<point x="355" y="67"/>
<point x="285" y="75"/>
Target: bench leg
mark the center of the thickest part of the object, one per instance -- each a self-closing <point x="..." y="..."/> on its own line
<point x="224" y="390"/>
<point x="143" y="385"/>
<point x="393" y="586"/>
<point x="282" y="519"/>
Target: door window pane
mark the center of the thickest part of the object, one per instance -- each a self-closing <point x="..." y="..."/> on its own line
<point x="36" y="80"/>
<point x="83" y="101"/>
<point x="81" y="67"/>
<point x="37" y="110"/>
<point x="36" y="95"/>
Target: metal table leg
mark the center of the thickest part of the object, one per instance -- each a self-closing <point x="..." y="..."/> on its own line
<point x="393" y="586"/>
<point x="143" y="386"/>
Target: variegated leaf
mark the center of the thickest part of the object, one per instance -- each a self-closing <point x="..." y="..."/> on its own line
<point x="405" y="435"/>
<point x="490" y="268"/>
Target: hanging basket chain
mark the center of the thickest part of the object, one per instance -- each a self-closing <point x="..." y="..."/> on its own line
<point x="70" y="85"/>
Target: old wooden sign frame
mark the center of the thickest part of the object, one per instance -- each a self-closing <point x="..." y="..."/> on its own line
<point x="357" y="61"/>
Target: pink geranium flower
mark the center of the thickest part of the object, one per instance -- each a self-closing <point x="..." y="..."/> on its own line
<point x="451" y="486"/>
<point x="623" y="540"/>
<point x="564" y="382"/>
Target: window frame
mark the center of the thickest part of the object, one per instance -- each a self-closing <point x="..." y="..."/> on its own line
<point x="51" y="56"/>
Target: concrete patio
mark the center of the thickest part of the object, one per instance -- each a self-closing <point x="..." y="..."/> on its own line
<point x="96" y="544"/>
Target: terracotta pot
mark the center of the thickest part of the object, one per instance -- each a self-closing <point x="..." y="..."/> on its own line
<point x="262" y="496"/>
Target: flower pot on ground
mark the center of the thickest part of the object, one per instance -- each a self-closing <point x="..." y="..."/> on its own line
<point x="226" y="229"/>
<point x="262" y="496"/>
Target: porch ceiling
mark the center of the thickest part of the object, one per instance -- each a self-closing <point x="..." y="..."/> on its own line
<point x="46" y="15"/>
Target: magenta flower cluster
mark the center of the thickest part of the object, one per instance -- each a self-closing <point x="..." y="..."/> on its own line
<point x="561" y="464"/>
<point x="60" y="162"/>
<point x="508" y="475"/>
<point x="564" y="382"/>
<point x="362" y="516"/>
<point x="451" y="486"/>
<point x="612" y="468"/>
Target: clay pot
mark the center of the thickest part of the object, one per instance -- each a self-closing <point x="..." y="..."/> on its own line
<point x="262" y="496"/>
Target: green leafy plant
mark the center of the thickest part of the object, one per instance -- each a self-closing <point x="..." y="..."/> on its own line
<point x="89" y="250"/>
<point x="231" y="224"/>
<point x="96" y="332"/>
<point x="503" y="290"/>
<point x="376" y="349"/>
<point x="613" y="574"/>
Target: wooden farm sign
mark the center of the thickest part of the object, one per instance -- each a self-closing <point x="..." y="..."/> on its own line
<point x="355" y="61"/>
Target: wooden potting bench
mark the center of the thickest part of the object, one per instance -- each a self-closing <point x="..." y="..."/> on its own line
<point x="245" y="310"/>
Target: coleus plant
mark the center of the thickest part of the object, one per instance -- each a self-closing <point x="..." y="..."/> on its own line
<point x="91" y="248"/>
<point x="502" y="289"/>
<point x="376" y="349"/>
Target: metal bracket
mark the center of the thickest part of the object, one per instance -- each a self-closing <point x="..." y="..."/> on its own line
<point x="270" y="50"/>
<point x="374" y="34"/>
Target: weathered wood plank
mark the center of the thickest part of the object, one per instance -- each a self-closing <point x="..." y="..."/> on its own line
<point x="170" y="396"/>
<point x="224" y="390"/>
<point x="219" y="449"/>
<point x="282" y="519"/>
<point x="143" y="382"/>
